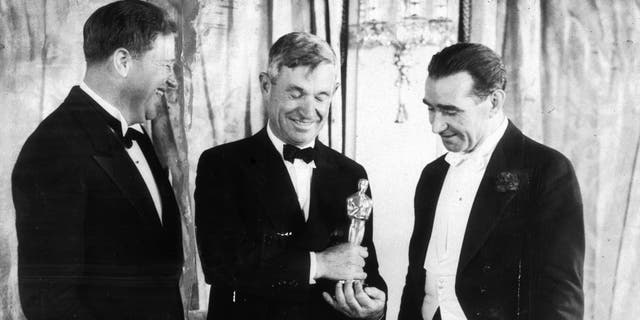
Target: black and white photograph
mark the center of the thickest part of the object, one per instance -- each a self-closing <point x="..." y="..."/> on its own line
<point x="320" y="159"/>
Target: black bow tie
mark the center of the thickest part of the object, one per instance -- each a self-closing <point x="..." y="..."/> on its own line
<point x="291" y="153"/>
<point x="129" y="136"/>
<point x="132" y="134"/>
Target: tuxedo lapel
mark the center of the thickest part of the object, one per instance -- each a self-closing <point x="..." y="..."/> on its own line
<point x="426" y="202"/>
<point x="111" y="155"/>
<point x="170" y="211"/>
<point x="326" y="211"/>
<point x="131" y="186"/>
<point x="275" y="189"/>
<point x="490" y="202"/>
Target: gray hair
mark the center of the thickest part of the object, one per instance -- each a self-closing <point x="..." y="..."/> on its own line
<point x="299" y="49"/>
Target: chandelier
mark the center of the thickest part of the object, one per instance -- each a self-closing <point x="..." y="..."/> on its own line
<point x="413" y="29"/>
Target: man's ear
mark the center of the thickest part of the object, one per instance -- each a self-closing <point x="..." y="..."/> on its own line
<point x="497" y="100"/>
<point x="337" y="87"/>
<point x="122" y="61"/>
<point x="265" y="84"/>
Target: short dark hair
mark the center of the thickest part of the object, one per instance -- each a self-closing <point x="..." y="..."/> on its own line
<point x="129" y="24"/>
<point x="299" y="49"/>
<point x="483" y="64"/>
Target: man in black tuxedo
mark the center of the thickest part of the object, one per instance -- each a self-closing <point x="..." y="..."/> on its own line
<point x="99" y="233"/>
<point x="498" y="228"/>
<point x="271" y="209"/>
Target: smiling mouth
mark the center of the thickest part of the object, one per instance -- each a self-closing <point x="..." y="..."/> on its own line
<point x="303" y="122"/>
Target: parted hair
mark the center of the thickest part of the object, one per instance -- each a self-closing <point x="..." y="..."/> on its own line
<point x="482" y="63"/>
<point x="299" y="49"/>
<point x="128" y="24"/>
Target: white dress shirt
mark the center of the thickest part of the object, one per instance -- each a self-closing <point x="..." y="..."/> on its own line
<point x="452" y="214"/>
<point x="300" y="174"/>
<point x="135" y="153"/>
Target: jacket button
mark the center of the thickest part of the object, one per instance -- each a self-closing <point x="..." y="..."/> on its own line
<point x="486" y="268"/>
<point x="483" y="290"/>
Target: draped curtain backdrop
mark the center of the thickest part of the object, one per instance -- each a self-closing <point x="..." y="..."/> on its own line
<point x="574" y="74"/>
<point x="222" y="47"/>
<point x="573" y="79"/>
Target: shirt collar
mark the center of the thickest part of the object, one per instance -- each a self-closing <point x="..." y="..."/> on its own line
<point x="279" y="144"/>
<point x="110" y="109"/>
<point x="483" y="151"/>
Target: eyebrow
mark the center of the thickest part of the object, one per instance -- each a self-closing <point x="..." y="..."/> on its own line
<point x="445" y="107"/>
<point x="301" y="90"/>
<point x="294" y="88"/>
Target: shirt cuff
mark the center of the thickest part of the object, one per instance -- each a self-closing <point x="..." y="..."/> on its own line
<point x="312" y="267"/>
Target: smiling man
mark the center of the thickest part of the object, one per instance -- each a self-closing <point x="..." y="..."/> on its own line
<point x="99" y="233"/>
<point x="271" y="216"/>
<point x="498" y="228"/>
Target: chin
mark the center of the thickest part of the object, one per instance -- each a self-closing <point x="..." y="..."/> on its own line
<point x="299" y="141"/>
<point x="300" y="138"/>
<point x="453" y="148"/>
<point x="152" y="113"/>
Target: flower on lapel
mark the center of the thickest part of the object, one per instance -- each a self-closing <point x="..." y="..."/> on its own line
<point x="507" y="181"/>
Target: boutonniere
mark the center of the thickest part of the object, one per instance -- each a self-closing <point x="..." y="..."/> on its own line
<point x="507" y="181"/>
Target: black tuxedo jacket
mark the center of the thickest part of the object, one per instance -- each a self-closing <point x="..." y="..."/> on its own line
<point x="90" y="242"/>
<point x="523" y="249"/>
<point x="253" y="241"/>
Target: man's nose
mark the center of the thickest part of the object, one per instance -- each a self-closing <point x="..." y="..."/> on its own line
<point x="172" y="82"/>
<point x="437" y="123"/>
<point x="308" y="106"/>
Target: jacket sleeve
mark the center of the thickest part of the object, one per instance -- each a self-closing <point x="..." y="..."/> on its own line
<point x="49" y="197"/>
<point x="558" y="244"/>
<point x="230" y="253"/>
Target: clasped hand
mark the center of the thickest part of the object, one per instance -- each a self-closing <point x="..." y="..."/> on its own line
<point x="345" y="262"/>
<point x="354" y="301"/>
<point x="341" y="262"/>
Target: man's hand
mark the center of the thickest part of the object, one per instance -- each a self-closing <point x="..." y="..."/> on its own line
<point x="355" y="302"/>
<point x="342" y="262"/>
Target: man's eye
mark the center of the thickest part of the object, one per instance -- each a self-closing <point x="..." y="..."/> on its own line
<point x="167" y="66"/>
<point x="431" y="109"/>
<point x="450" y="112"/>
<point x="296" y="94"/>
<point x="322" y="98"/>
